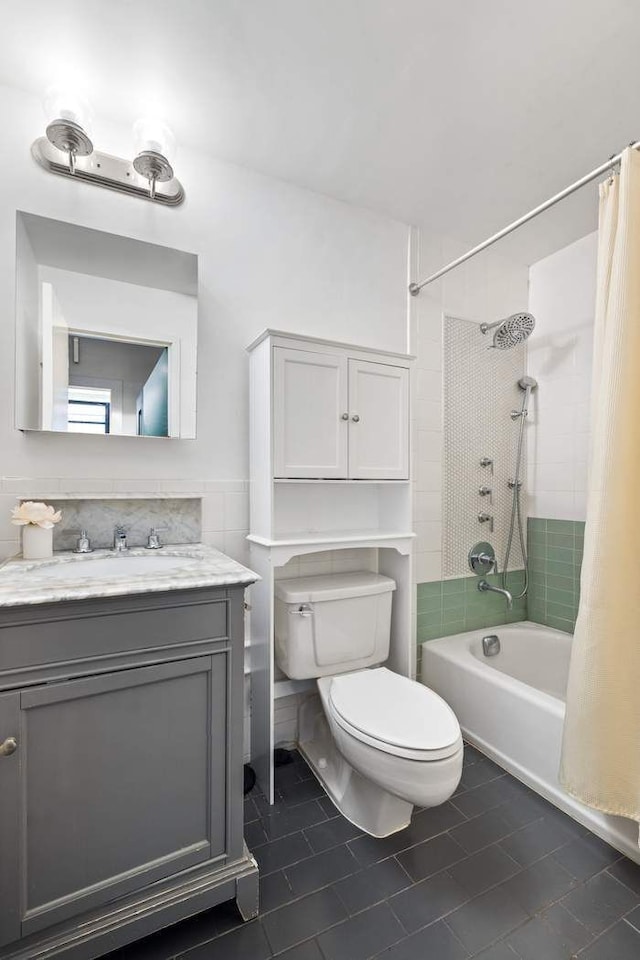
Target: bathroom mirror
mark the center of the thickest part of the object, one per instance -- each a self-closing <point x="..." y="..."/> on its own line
<point x="106" y="333"/>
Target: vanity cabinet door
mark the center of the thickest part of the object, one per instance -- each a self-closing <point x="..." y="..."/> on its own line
<point x="122" y="780"/>
<point x="310" y="415"/>
<point x="10" y="761"/>
<point x="379" y="425"/>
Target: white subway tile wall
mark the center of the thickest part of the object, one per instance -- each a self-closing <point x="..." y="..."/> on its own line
<point x="562" y="298"/>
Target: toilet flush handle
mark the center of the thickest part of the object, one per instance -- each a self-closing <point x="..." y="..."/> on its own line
<point x="305" y="610"/>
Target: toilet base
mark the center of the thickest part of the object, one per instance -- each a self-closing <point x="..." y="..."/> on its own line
<point x="363" y="803"/>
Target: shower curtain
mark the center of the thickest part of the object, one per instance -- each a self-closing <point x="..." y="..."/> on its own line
<point x="601" y="750"/>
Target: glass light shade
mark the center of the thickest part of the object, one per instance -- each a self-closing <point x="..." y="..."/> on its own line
<point x="149" y="134"/>
<point x="64" y="104"/>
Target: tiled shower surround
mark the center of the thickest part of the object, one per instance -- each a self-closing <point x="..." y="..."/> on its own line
<point x="445" y="607"/>
<point x="480" y="391"/>
<point x="555" y="559"/>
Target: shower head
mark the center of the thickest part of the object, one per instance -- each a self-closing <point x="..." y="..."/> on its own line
<point x="511" y="331"/>
<point x="527" y="383"/>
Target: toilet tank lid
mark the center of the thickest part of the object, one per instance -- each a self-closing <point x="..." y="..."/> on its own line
<point x="333" y="586"/>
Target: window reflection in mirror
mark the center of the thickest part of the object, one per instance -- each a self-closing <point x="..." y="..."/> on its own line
<point x="117" y="387"/>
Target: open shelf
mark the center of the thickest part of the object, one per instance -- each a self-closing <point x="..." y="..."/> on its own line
<point x="298" y="480"/>
<point x="337" y="537"/>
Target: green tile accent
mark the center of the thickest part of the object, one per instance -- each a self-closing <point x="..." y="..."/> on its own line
<point x="455" y="606"/>
<point x="555" y="550"/>
<point x="555" y="558"/>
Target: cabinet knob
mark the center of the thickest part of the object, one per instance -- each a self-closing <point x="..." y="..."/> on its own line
<point x="355" y="418"/>
<point x="345" y="416"/>
<point x="9" y="746"/>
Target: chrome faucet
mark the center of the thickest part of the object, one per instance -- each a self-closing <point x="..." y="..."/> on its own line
<point x="485" y="587"/>
<point x="119" y="538"/>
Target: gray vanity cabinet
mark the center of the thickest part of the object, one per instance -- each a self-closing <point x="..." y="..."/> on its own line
<point x="121" y="806"/>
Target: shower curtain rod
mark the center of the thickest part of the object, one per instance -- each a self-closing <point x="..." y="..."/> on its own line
<point x="415" y="288"/>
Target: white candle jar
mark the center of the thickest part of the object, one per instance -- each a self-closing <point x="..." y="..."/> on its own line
<point x="37" y="542"/>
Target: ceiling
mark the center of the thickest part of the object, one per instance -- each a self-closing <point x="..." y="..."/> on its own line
<point x="458" y="115"/>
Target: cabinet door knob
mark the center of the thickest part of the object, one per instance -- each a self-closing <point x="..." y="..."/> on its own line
<point x="355" y="418"/>
<point x="9" y="746"/>
<point x="345" y="416"/>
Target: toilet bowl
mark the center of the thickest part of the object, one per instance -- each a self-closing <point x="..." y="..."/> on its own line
<point x="413" y="750"/>
<point x="379" y="742"/>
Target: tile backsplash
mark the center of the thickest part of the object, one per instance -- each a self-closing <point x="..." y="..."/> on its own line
<point x="177" y="520"/>
<point x="223" y="507"/>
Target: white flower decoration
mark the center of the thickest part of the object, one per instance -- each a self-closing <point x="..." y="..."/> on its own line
<point x="36" y="513"/>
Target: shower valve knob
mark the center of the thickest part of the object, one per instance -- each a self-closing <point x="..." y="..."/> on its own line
<point x="486" y="518"/>
<point x="486" y="492"/>
<point x="487" y="462"/>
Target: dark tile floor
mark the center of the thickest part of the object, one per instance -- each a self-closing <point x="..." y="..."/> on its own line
<point x="497" y="873"/>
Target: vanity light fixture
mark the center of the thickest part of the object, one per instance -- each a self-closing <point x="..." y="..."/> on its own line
<point x="156" y="145"/>
<point x="67" y="149"/>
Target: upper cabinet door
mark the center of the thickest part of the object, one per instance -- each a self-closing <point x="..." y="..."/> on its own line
<point x="310" y="412"/>
<point x="379" y="421"/>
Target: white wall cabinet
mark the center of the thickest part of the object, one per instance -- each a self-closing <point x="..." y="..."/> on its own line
<point x="339" y="417"/>
<point x="329" y="429"/>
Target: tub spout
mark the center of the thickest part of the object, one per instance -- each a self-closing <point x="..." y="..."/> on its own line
<point x="485" y="586"/>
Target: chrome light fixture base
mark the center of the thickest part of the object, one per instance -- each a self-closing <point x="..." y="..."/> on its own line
<point x="70" y="138"/>
<point x="105" y="170"/>
<point x="154" y="167"/>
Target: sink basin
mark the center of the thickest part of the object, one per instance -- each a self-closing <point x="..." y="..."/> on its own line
<point x="112" y="568"/>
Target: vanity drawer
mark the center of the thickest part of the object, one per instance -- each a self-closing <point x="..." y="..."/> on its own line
<point x="31" y="639"/>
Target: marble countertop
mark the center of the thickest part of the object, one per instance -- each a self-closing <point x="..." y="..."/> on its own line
<point x="34" y="581"/>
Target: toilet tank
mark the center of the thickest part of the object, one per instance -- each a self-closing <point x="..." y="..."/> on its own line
<point x="332" y="624"/>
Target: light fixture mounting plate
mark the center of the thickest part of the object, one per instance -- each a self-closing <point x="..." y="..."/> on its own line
<point x="153" y="166"/>
<point x="107" y="171"/>
<point x="68" y="136"/>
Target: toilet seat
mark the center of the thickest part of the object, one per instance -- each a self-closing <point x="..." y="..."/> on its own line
<point x="394" y="714"/>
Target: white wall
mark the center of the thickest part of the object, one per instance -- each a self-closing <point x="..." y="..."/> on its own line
<point x="270" y="254"/>
<point x="562" y="298"/>
<point x="484" y="289"/>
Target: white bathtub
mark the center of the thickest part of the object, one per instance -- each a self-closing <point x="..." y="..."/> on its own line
<point x="511" y="706"/>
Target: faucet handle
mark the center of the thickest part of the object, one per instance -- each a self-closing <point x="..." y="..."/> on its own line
<point x="486" y="492"/>
<point x="83" y="543"/>
<point x="153" y="540"/>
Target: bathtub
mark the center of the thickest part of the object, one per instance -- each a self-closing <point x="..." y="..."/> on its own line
<point x="511" y="706"/>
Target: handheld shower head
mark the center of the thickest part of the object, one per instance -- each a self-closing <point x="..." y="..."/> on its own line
<point x="527" y="385"/>
<point x="511" y="331"/>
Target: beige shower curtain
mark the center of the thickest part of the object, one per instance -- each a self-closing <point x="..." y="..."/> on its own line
<point x="601" y="749"/>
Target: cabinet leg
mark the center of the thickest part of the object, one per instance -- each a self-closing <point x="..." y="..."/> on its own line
<point x="248" y="895"/>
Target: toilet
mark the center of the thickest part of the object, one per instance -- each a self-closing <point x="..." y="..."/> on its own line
<point x="380" y="743"/>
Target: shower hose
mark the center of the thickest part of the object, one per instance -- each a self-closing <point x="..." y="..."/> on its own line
<point x="516" y="513"/>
